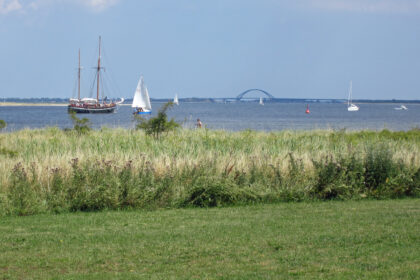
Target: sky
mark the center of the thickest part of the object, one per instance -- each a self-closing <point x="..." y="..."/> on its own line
<point x="218" y="48"/>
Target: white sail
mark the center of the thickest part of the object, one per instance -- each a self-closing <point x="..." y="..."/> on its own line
<point x="176" y="99"/>
<point x="402" y="107"/>
<point x="261" y="101"/>
<point x="137" y="95"/>
<point x="350" y="106"/>
<point x="146" y="98"/>
<point x="141" y="97"/>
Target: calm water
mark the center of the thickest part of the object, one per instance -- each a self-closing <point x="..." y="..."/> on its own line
<point x="233" y="116"/>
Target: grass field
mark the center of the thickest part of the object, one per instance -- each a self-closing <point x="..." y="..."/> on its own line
<point x="322" y="240"/>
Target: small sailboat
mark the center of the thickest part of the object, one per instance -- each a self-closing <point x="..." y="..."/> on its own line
<point x="350" y="106"/>
<point x="402" y="107"/>
<point x="176" y="102"/>
<point x="141" y="100"/>
<point x="261" y="101"/>
<point x="307" y="109"/>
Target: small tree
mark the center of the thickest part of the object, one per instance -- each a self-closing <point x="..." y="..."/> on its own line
<point x="155" y="126"/>
<point x="4" y="151"/>
<point x="81" y="126"/>
<point x="3" y="124"/>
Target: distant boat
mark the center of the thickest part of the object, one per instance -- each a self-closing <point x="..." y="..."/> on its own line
<point x="307" y="109"/>
<point x="176" y="102"/>
<point x="92" y="105"/>
<point x="261" y="101"/>
<point x="402" y="107"/>
<point x="141" y="100"/>
<point x="350" y="106"/>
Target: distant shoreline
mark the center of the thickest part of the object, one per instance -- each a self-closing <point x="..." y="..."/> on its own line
<point x="63" y="104"/>
<point x="4" y="104"/>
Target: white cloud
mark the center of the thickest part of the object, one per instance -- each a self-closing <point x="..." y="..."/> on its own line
<point x="366" y="6"/>
<point x="7" y="6"/>
<point x="99" y="5"/>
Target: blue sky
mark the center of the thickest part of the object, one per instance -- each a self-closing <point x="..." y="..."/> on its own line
<point x="218" y="48"/>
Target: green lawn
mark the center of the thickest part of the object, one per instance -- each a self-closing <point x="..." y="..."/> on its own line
<point x="338" y="240"/>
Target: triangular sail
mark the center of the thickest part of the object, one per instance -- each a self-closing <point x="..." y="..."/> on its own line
<point x="137" y="101"/>
<point x="350" y="93"/>
<point x="148" y="106"/>
<point x="176" y="99"/>
<point x="141" y="97"/>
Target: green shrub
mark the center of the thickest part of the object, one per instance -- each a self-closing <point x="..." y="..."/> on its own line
<point x="404" y="183"/>
<point x="8" y="153"/>
<point x="129" y="193"/>
<point x="159" y="124"/>
<point x="81" y="126"/>
<point x="379" y="167"/>
<point x="414" y="187"/>
<point x="57" y="193"/>
<point x="5" y="151"/>
<point x="215" y="192"/>
<point x="22" y="197"/>
<point x="94" y="187"/>
<point x="3" y="124"/>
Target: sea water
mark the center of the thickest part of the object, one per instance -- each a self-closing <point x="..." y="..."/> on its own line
<point x="231" y="116"/>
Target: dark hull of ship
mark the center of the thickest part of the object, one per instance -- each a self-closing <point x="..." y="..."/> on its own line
<point x="92" y="110"/>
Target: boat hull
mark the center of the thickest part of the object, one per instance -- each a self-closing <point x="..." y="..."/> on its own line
<point x="352" y="108"/>
<point x="142" y="113"/>
<point x="91" y="110"/>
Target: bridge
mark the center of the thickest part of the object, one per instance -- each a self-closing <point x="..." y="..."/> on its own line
<point x="241" y="96"/>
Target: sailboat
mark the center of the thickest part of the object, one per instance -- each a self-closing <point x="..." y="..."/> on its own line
<point x="307" y="109"/>
<point x="402" y="107"/>
<point x="261" y="101"/>
<point x="350" y="106"/>
<point x="176" y="102"/>
<point x="92" y="105"/>
<point x="141" y="100"/>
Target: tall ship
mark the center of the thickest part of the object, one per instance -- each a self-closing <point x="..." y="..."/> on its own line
<point x="92" y="105"/>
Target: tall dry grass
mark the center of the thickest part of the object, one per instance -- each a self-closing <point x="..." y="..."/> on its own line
<point x="256" y="156"/>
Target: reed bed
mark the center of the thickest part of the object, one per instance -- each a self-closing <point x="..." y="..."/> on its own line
<point x="120" y="168"/>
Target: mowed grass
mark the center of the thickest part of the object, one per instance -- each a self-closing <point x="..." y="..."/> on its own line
<point x="324" y="240"/>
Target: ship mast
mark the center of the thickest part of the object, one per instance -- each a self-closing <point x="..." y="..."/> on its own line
<point x="78" y="80"/>
<point x="99" y="70"/>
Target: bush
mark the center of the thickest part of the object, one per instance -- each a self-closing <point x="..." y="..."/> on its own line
<point x="340" y="178"/>
<point x="379" y="168"/>
<point x="7" y="152"/>
<point x="81" y="126"/>
<point x="22" y="197"/>
<point x="56" y="195"/>
<point x="94" y="187"/>
<point x="3" y="124"/>
<point x="159" y="124"/>
<point x="217" y="191"/>
<point x="4" y="151"/>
